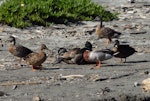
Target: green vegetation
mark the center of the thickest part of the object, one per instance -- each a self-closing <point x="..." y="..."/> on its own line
<point x="23" y="13"/>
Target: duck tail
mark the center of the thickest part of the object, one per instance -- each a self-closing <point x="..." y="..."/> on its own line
<point x="117" y="34"/>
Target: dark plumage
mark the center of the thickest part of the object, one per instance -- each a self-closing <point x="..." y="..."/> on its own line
<point x="36" y="59"/>
<point x="17" y="49"/>
<point x="106" y="32"/>
<point x="123" y="51"/>
<point x="73" y="56"/>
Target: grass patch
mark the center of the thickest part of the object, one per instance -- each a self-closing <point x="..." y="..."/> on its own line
<point x="24" y="13"/>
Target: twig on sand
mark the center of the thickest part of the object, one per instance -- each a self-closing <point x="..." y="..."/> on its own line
<point x="19" y="83"/>
<point x="71" y="76"/>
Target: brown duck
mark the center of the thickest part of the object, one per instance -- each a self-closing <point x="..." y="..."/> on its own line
<point x="73" y="56"/>
<point x="36" y="59"/>
<point x="17" y="49"/>
<point x="123" y="51"/>
<point x="106" y="32"/>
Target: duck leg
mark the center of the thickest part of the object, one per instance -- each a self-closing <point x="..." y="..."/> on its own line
<point x="99" y="64"/>
<point x="121" y="60"/>
<point x="20" y="60"/>
<point x="109" y="41"/>
<point x="125" y="60"/>
<point x="40" y="67"/>
<point x="33" y="68"/>
<point x="36" y="68"/>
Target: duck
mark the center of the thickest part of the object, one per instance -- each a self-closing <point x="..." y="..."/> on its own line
<point x="16" y="49"/>
<point x="106" y="32"/>
<point x="35" y="59"/>
<point x="123" y="51"/>
<point x="97" y="56"/>
<point x="73" y="56"/>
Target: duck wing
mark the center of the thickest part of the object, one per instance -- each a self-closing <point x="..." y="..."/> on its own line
<point x="35" y="58"/>
<point x="126" y="49"/>
<point x="22" y="51"/>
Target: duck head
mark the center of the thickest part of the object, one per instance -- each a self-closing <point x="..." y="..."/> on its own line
<point x="44" y="47"/>
<point x="117" y="43"/>
<point x="12" y="40"/>
<point x="61" y="51"/>
<point x="88" y="45"/>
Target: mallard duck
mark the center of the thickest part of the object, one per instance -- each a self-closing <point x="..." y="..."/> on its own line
<point x="97" y="56"/>
<point x="123" y="51"/>
<point x="106" y="32"/>
<point x="73" y="56"/>
<point x="17" y="49"/>
<point x="36" y="59"/>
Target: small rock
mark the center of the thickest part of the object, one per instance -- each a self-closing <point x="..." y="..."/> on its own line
<point x="146" y="72"/>
<point x="131" y="1"/>
<point x="36" y="98"/>
<point x="136" y="84"/>
<point x="14" y="87"/>
<point x="131" y="12"/>
<point x="146" y="85"/>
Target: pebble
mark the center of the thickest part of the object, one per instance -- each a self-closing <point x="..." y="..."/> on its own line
<point x="36" y="98"/>
<point x="14" y="87"/>
<point x="136" y="84"/>
<point x="2" y="93"/>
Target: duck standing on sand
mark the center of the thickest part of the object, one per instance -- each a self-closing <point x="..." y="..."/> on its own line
<point x="106" y="32"/>
<point x="73" y="56"/>
<point x="17" y="49"/>
<point x="36" y="59"/>
<point x="123" y="51"/>
<point x="97" y="56"/>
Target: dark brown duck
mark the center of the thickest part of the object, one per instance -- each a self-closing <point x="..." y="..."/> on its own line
<point x="123" y="51"/>
<point x="17" y="49"/>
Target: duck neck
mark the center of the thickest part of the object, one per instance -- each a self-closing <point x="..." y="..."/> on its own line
<point x="101" y="24"/>
<point x="13" y="42"/>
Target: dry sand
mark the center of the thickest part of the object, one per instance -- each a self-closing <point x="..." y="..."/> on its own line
<point x="112" y="82"/>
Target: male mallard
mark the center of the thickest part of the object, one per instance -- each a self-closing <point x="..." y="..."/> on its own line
<point x="106" y="32"/>
<point x="97" y="56"/>
<point x="73" y="56"/>
<point x="123" y="51"/>
<point x="36" y="59"/>
<point x="17" y="49"/>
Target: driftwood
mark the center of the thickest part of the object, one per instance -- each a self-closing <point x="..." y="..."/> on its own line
<point x="19" y="83"/>
<point x="71" y="76"/>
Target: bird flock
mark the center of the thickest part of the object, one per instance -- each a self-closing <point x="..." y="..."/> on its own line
<point x="79" y="56"/>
